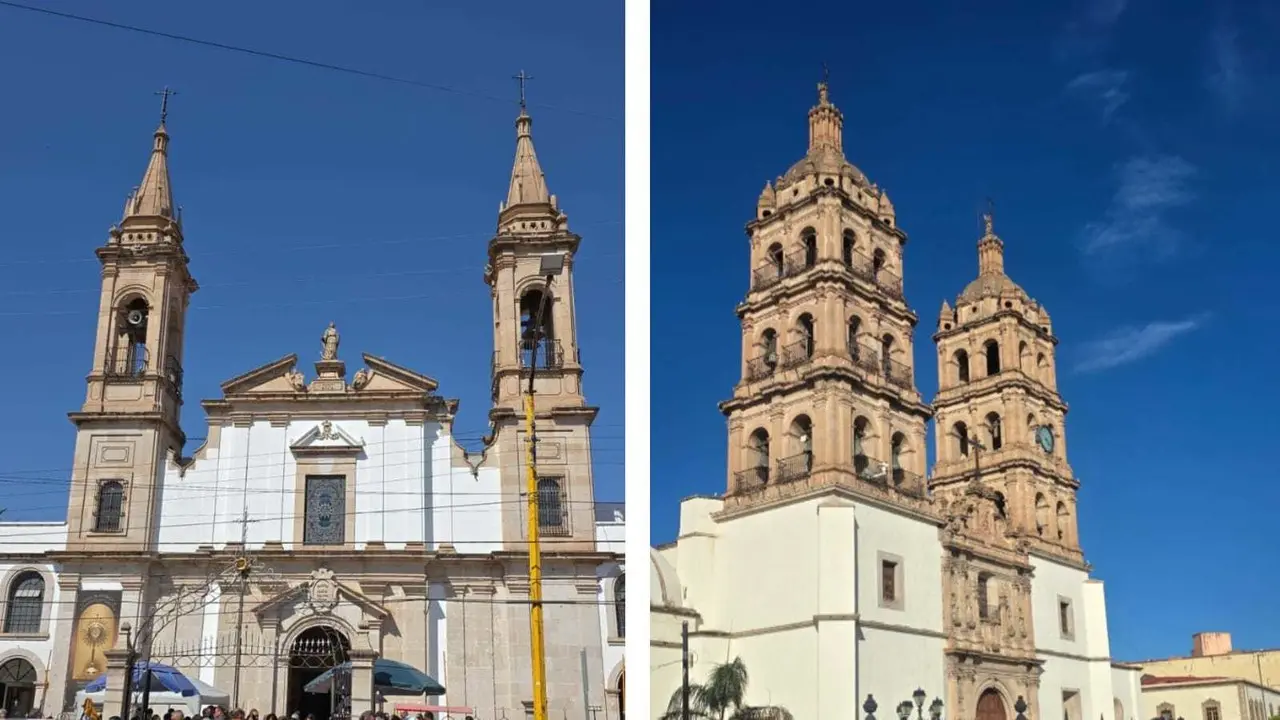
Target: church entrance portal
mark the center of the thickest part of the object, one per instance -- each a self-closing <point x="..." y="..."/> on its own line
<point x="17" y="687"/>
<point x="316" y="650"/>
<point x="990" y="706"/>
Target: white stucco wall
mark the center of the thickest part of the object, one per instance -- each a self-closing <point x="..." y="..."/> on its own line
<point x="796" y="590"/>
<point x="406" y="490"/>
<point x="1126" y="684"/>
<point x="32" y="538"/>
<point x="1078" y="663"/>
<point x="611" y="537"/>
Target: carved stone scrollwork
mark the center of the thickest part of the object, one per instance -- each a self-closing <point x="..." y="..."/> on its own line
<point x="296" y="380"/>
<point x="361" y="379"/>
<point x="322" y="593"/>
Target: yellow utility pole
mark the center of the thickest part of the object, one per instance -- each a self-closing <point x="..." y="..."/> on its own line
<point x="551" y="265"/>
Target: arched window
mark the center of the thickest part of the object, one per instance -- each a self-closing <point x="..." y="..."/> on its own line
<point x="1042" y="367"/>
<point x="800" y="461"/>
<point x="1064" y="520"/>
<point x="26" y="604"/>
<point x="129" y="358"/>
<point x="1024" y="356"/>
<point x="620" y="604"/>
<point x="1002" y="509"/>
<point x="807" y="344"/>
<point x="962" y="366"/>
<point x="775" y="259"/>
<point x="537" y="333"/>
<point x="886" y="355"/>
<point x="850" y="247"/>
<point x="961" y="433"/>
<point x="552" y="517"/>
<point x="897" y="444"/>
<point x="1042" y="514"/>
<point x="860" y="431"/>
<point x="877" y="263"/>
<point x="758" y="459"/>
<point x="809" y="239"/>
<point x="769" y="341"/>
<point x="110" y="511"/>
<point x="993" y="428"/>
<point x="853" y="329"/>
<point x="992" y="350"/>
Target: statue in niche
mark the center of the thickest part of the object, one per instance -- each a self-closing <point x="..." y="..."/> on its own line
<point x="329" y="342"/>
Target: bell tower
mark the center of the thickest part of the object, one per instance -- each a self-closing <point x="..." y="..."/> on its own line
<point x="827" y="394"/>
<point x="530" y="275"/>
<point x="1000" y="419"/>
<point x="129" y="423"/>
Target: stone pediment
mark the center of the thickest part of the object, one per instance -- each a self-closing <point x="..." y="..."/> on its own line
<point x="277" y="376"/>
<point x="320" y="594"/>
<point x="386" y="376"/>
<point x="327" y="437"/>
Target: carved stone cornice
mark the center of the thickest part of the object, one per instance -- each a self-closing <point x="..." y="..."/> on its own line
<point x="1002" y="382"/>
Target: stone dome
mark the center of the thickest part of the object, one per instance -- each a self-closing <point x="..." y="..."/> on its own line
<point x="991" y="285"/>
<point x="664" y="585"/>
<point x="826" y="160"/>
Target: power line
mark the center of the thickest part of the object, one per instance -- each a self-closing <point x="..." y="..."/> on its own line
<point x="290" y="59"/>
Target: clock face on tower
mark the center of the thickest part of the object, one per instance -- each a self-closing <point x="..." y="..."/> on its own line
<point x="1044" y="436"/>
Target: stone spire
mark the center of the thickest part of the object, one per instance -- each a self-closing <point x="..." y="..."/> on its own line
<point x="528" y="184"/>
<point x="153" y="198"/>
<point x="826" y="123"/>
<point x="990" y="249"/>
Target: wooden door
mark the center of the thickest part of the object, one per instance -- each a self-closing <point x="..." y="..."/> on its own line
<point x="990" y="707"/>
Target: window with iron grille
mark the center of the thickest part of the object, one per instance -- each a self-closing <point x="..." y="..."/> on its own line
<point x="26" y="604"/>
<point x="110" y="513"/>
<point x="552" y="518"/>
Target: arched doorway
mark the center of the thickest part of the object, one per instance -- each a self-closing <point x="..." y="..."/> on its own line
<point x="17" y="687"/>
<point x="990" y="706"/>
<point x="313" y="652"/>
<point x="622" y="695"/>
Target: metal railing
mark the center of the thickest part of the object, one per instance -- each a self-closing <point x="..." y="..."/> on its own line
<point x="864" y="267"/>
<point x="878" y="472"/>
<point x="762" y="366"/>
<point x="767" y="274"/>
<point x="752" y="478"/>
<point x="173" y="373"/>
<point x="800" y="260"/>
<point x="127" y="363"/>
<point x="873" y="360"/>
<point x="541" y="354"/>
<point x="796" y="467"/>
<point x="797" y="353"/>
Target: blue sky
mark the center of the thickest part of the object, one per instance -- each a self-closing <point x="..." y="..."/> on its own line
<point x="309" y="195"/>
<point x="1130" y="151"/>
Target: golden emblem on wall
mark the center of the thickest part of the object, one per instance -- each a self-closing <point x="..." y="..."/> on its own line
<point x="95" y="635"/>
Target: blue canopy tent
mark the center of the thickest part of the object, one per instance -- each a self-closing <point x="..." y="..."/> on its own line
<point x="389" y="677"/>
<point x="163" y="678"/>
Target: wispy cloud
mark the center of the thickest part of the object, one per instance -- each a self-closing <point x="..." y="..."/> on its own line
<point x="1106" y="87"/>
<point x="1131" y="344"/>
<point x="1226" y="74"/>
<point x="1090" y="28"/>
<point x="1149" y="188"/>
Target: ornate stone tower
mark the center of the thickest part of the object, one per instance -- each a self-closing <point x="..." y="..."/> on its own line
<point x="827" y="394"/>
<point x="1001" y="477"/>
<point x="129" y="423"/>
<point x="530" y="278"/>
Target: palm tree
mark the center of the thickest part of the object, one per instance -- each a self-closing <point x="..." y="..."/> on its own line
<point x="721" y="697"/>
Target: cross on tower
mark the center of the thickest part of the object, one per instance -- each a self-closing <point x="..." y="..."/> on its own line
<point x="826" y="72"/>
<point x="164" y="102"/>
<point x="522" y="78"/>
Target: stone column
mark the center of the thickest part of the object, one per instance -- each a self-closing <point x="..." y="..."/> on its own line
<point x="362" y="696"/>
<point x="117" y="667"/>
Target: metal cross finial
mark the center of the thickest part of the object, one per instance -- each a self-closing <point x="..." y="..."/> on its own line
<point x="522" y="78"/>
<point x="164" y="102"/>
<point x="826" y="72"/>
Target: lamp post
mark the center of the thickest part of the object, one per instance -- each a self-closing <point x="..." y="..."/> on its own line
<point x="550" y="266"/>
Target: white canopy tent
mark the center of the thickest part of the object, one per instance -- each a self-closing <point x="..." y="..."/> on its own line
<point x="162" y="700"/>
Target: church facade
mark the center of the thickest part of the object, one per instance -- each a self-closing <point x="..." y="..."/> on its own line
<point x="967" y="582"/>
<point x="330" y="517"/>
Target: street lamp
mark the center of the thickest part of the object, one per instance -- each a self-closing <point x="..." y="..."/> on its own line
<point x="919" y="697"/>
<point x="549" y="266"/>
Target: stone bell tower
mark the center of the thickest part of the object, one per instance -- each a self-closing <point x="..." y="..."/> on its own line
<point x="530" y="275"/>
<point x="1000" y="419"/>
<point x="827" y="395"/>
<point x="129" y="423"/>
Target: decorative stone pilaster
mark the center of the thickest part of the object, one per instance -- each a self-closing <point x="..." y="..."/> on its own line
<point x="362" y="695"/>
<point x="117" y="669"/>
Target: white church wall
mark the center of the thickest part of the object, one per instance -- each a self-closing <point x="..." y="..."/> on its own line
<point x="253" y="468"/>
<point x="1076" y="662"/>
<point x="891" y="665"/>
<point x="1126" y="686"/>
<point x="37" y="649"/>
<point x="611" y="538"/>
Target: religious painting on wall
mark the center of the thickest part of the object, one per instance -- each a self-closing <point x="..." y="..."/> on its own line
<point x="96" y="633"/>
<point x="325" y="513"/>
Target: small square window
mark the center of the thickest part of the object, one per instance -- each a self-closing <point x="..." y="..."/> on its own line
<point x="891" y="588"/>
<point x="1066" y="621"/>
